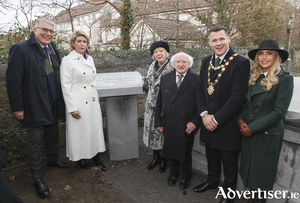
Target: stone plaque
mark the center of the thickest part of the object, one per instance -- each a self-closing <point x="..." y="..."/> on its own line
<point x="119" y="83"/>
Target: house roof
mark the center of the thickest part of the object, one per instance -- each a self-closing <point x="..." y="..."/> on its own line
<point x="153" y="7"/>
<point x="166" y="29"/>
<point x="162" y="6"/>
<point x="110" y="23"/>
<point x="82" y="9"/>
<point x="116" y="41"/>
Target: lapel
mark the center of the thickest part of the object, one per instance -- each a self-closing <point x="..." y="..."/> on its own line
<point x="213" y="73"/>
<point x="88" y="62"/>
<point x="257" y="91"/>
<point x="188" y="79"/>
<point x="172" y="81"/>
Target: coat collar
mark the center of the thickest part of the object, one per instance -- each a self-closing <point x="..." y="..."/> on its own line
<point x="75" y="56"/>
<point x="188" y="79"/>
<point x="227" y="56"/>
<point x="259" y="89"/>
<point x="32" y="40"/>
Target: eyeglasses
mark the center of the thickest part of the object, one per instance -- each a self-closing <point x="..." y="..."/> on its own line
<point x="46" y="30"/>
<point x="183" y="62"/>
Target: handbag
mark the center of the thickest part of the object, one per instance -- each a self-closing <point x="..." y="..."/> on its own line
<point x="145" y="86"/>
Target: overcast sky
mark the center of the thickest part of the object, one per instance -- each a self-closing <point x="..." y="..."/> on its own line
<point x="8" y="16"/>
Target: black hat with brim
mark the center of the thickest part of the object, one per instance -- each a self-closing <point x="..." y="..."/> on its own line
<point x="269" y="44"/>
<point x="157" y="44"/>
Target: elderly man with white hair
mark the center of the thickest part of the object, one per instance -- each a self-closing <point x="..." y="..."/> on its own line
<point x="176" y="116"/>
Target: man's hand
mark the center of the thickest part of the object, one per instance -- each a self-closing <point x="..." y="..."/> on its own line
<point x="76" y="114"/>
<point x="209" y="122"/>
<point x="190" y="127"/>
<point x="244" y="128"/>
<point x="160" y="129"/>
<point x="19" y="115"/>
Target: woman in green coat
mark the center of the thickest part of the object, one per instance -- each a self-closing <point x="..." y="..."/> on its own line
<point x="261" y="119"/>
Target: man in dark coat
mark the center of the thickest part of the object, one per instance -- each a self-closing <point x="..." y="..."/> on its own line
<point x="32" y="81"/>
<point x="176" y="115"/>
<point x="221" y="91"/>
<point x="6" y="192"/>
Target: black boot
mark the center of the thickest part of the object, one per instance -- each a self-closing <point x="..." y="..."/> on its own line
<point x="83" y="164"/>
<point x="97" y="161"/>
<point x="163" y="165"/>
<point x="156" y="160"/>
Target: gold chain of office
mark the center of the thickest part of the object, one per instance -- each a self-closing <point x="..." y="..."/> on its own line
<point x="211" y="85"/>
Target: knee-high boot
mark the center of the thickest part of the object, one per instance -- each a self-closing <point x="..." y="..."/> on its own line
<point x="156" y="160"/>
<point x="97" y="161"/>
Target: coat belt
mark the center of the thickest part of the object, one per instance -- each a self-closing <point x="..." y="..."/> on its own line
<point x="83" y="86"/>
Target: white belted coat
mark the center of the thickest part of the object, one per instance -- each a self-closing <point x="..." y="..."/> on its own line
<point x="84" y="136"/>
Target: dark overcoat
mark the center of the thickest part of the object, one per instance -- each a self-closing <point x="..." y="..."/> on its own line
<point x="26" y="82"/>
<point x="226" y="101"/>
<point x="264" y="111"/>
<point x="175" y="108"/>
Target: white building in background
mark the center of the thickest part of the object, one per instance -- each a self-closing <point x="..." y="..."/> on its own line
<point x="86" y="17"/>
<point x="155" y="21"/>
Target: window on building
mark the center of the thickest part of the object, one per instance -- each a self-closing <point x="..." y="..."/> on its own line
<point x="108" y="33"/>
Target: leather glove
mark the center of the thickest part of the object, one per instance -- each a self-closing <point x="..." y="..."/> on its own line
<point x="244" y="128"/>
<point x="241" y="123"/>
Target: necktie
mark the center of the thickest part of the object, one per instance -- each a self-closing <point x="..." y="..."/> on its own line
<point x="179" y="80"/>
<point x="47" y="54"/>
<point x="262" y="76"/>
<point x="217" y="62"/>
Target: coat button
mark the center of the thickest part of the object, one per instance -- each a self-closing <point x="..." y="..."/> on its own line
<point x="211" y="103"/>
<point x="259" y="104"/>
<point x="172" y="104"/>
<point x="251" y="114"/>
<point x="166" y="91"/>
<point x="92" y="85"/>
<point x="83" y="72"/>
<point x="78" y="58"/>
<point x="184" y="105"/>
<point x="93" y="71"/>
<point x="84" y="87"/>
<point x="86" y="102"/>
<point x="266" y="132"/>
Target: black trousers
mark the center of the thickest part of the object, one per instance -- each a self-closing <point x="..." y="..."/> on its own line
<point x="230" y="167"/>
<point x="186" y="167"/>
<point x="36" y="135"/>
<point x="187" y="164"/>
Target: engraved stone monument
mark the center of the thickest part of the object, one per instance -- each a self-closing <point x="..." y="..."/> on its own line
<point x="120" y="90"/>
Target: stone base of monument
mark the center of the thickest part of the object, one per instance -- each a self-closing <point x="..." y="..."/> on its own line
<point x="120" y="91"/>
<point x="122" y="127"/>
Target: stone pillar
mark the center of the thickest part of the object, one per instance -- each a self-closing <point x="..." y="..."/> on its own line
<point x="120" y="90"/>
<point x="122" y="127"/>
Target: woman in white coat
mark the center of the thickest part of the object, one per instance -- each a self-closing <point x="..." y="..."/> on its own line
<point x="84" y="131"/>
